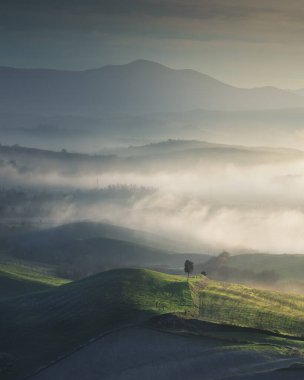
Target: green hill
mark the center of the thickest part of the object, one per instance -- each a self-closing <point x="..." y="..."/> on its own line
<point x="18" y="278"/>
<point x="240" y="305"/>
<point x="40" y="327"/>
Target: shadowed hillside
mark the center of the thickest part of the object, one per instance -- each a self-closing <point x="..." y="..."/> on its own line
<point x="40" y="327"/>
<point x="80" y="249"/>
<point x="18" y="278"/>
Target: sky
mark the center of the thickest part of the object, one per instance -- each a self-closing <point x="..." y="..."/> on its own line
<point x="242" y="42"/>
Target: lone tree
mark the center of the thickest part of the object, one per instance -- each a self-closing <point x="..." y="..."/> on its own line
<point x="188" y="267"/>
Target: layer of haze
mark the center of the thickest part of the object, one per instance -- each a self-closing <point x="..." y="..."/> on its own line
<point x="210" y="197"/>
<point x="211" y="207"/>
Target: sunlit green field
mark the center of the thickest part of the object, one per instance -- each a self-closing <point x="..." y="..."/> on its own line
<point x="49" y="322"/>
<point x="243" y="306"/>
<point x="18" y="278"/>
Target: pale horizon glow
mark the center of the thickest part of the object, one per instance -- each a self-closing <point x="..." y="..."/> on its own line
<point x="240" y="42"/>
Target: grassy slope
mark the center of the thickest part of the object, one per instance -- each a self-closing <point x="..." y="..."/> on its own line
<point x="19" y="278"/>
<point x="41" y="326"/>
<point x="243" y="306"/>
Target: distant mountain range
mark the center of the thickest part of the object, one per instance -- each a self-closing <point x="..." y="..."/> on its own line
<point x="172" y="155"/>
<point x="137" y="87"/>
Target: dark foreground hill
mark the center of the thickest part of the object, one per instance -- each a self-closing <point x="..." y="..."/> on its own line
<point x="42" y="326"/>
<point x="137" y="353"/>
<point x="39" y="327"/>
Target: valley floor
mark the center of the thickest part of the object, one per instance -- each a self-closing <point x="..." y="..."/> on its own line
<point x="137" y="353"/>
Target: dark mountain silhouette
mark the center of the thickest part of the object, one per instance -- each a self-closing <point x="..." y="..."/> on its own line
<point x="137" y="87"/>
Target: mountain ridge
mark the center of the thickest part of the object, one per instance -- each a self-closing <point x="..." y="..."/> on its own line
<point x="152" y="64"/>
<point x="138" y="87"/>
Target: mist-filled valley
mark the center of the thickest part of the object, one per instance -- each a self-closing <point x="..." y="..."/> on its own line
<point x="171" y="152"/>
<point x="138" y="200"/>
<point x="213" y="197"/>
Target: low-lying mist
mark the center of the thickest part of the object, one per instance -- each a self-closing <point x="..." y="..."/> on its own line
<point x="210" y="202"/>
<point x="275" y="127"/>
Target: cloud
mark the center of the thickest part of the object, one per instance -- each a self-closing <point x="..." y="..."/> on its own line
<point x="111" y="15"/>
<point x="175" y="8"/>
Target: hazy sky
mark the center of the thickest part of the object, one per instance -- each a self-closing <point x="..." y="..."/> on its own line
<point x="242" y="42"/>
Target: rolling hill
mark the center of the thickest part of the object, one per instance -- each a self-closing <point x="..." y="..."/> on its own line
<point x="282" y="272"/>
<point x="80" y="249"/>
<point x="40" y="327"/>
<point x="288" y="266"/>
<point x="18" y="278"/>
<point x="137" y="87"/>
<point x="87" y="230"/>
<point x="191" y="150"/>
<point x="173" y="155"/>
<point x="248" y="307"/>
<point x="273" y="127"/>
